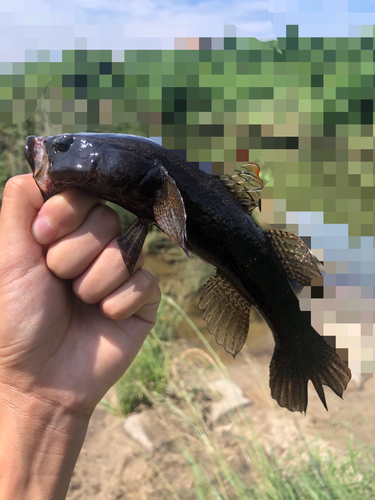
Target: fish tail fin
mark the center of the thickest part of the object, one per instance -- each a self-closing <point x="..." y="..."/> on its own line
<point x="308" y="358"/>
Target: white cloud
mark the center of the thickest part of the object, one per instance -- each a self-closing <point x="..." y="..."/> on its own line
<point x="38" y="24"/>
<point x="121" y="24"/>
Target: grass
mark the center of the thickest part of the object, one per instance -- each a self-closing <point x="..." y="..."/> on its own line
<point x="233" y="463"/>
<point x="147" y="375"/>
<point x="168" y="320"/>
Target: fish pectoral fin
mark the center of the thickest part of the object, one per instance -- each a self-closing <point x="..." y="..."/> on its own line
<point x="245" y="184"/>
<point x="298" y="260"/>
<point x="227" y="313"/>
<point x="169" y="211"/>
<point x="131" y="242"/>
<point x="308" y="358"/>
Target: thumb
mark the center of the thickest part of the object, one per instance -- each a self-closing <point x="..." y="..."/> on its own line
<point x="21" y="202"/>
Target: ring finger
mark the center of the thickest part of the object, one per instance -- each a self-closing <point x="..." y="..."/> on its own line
<point x="104" y="275"/>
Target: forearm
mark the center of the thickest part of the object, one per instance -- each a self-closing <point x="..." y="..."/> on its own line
<point x="39" y="446"/>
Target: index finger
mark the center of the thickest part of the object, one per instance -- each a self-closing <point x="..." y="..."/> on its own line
<point x="62" y="214"/>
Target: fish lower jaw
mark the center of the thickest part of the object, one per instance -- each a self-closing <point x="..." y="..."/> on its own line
<point x="37" y="157"/>
<point x="44" y="184"/>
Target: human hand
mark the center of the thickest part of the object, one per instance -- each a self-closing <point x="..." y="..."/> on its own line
<point x="71" y="321"/>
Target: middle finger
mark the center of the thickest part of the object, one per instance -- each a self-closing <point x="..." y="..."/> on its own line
<point x="69" y="257"/>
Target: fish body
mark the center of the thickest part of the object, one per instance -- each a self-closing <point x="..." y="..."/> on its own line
<point x="213" y="217"/>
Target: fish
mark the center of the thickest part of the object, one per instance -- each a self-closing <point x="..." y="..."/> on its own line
<point x="217" y="218"/>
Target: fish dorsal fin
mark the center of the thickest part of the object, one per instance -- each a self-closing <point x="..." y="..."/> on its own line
<point x="169" y="210"/>
<point x="245" y="184"/>
<point x="299" y="262"/>
<point x="131" y="242"/>
<point x="227" y="313"/>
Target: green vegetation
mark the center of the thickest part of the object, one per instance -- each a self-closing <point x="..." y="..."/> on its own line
<point x="328" y="478"/>
<point x="305" y="105"/>
<point x="235" y="463"/>
<point x="12" y="143"/>
<point x="167" y="322"/>
<point x="148" y="375"/>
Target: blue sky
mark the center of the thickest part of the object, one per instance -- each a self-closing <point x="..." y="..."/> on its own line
<point x="27" y="26"/>
<point x="336" y="18"/>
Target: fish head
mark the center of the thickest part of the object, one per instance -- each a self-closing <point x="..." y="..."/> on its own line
<point x="85" y="160"/>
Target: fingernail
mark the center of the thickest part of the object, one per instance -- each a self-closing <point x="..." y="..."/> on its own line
<point x="43" y="231"/>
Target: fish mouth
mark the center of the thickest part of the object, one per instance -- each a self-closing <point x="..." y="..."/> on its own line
<point x="37" y="157"/>
<point x="29" y="150"/>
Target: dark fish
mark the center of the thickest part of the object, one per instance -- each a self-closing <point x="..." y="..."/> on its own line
<point x="215" y="217"/>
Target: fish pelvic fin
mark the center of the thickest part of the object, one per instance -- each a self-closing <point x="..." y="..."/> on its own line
<point x="169" y="211"/>
<point x="308" y="358"/>
<point x="227" y="313"/>
<point x="131" y="242"/>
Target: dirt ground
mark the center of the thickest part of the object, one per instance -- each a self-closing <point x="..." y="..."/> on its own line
<point x="113" y="466"/>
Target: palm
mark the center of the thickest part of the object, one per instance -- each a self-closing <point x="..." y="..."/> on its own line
<point x="80" y="352"/>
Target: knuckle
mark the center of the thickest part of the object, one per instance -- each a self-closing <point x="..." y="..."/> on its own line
<point x="58" y="265"/>
<point x="64" y="213"/>
<point x="12" y="185"/>
<point x="111" y="310"/>
<point x="143" y="281"/>
<point x="157" y="294"/>
<point x="142" y="290"/>
<point x="151" y="316"/>
<point x="107" y="217"/>
<point x="83" y="293"/>
<point x="147" y="285"/>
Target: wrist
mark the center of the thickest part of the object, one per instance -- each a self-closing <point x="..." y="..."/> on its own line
<point x="39" y="445"/>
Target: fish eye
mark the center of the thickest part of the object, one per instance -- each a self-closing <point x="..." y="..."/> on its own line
<point x="63" y="143"/>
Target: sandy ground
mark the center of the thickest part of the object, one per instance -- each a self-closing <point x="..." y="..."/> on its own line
<point x="113" y="466"/>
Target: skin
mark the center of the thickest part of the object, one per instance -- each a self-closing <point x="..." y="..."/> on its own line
<point x="71" y="324"/>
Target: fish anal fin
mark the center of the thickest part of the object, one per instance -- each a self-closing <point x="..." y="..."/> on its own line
<point x="296" y="257"/>
<point x="169" y="211"/>
<point x="227" y="313"/>
<point x="131" y="242"/>
<point x="308" y="358"/>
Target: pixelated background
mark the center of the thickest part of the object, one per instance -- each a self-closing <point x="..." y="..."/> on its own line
<point x="198" y="80"/>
